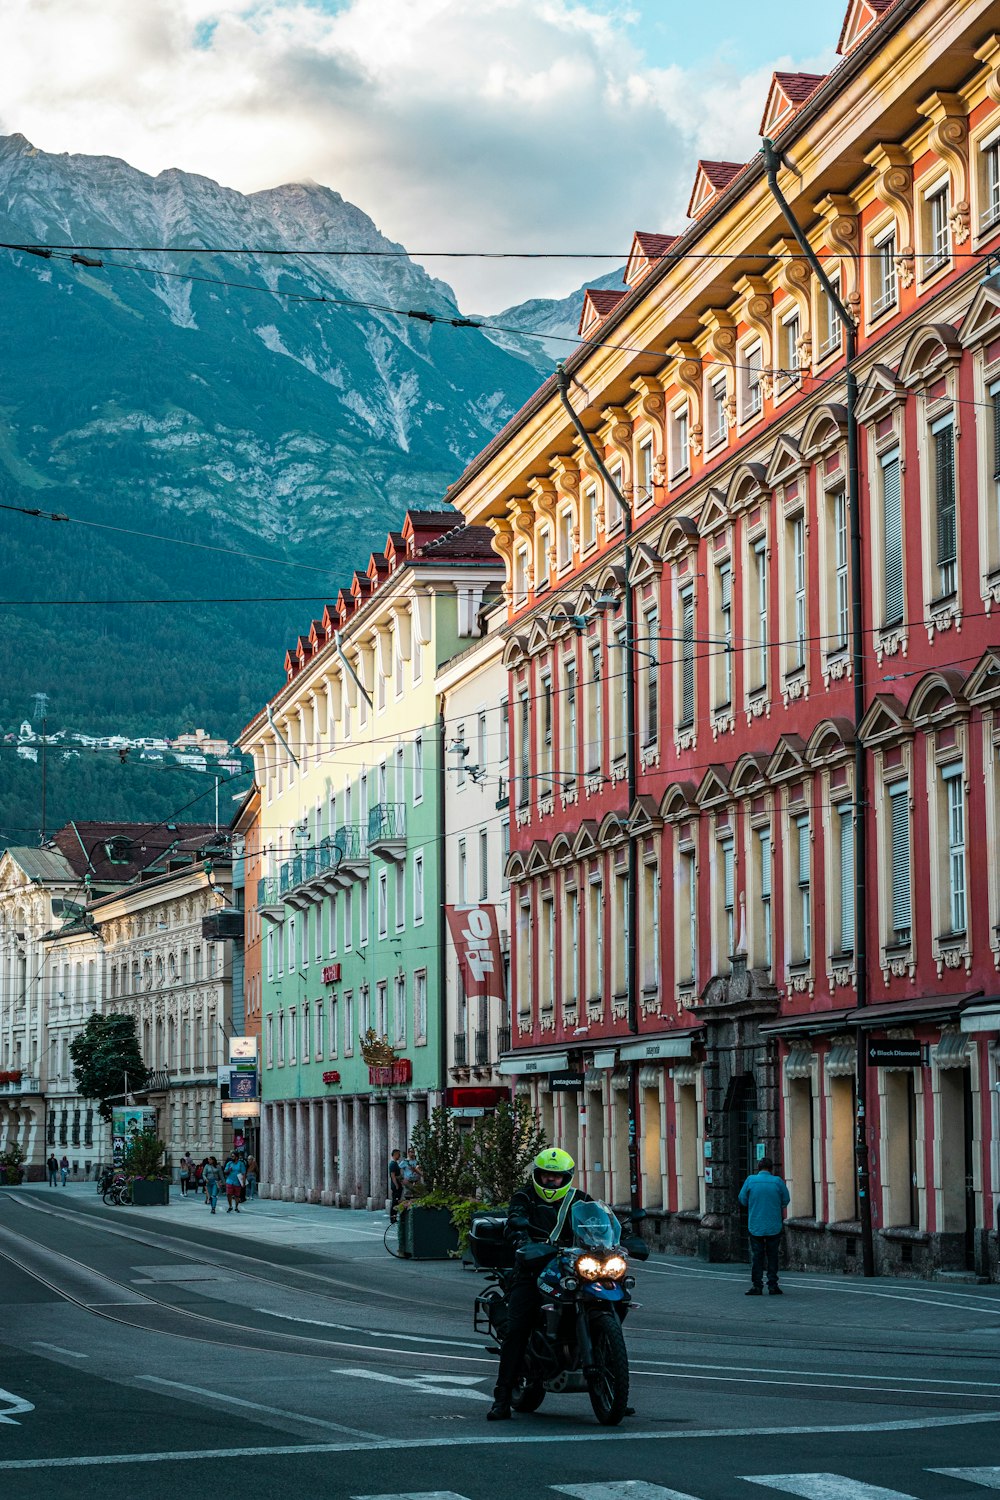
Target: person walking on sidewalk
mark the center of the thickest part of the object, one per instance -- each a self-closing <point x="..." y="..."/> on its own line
<point x="52" y="1167"/>
<point x="211" y="1176"/>
<point x="185" y="1173"/>
<point x="395" y="1185"/>
<point x="765" y="1197"/>
<point x="64" y="1169"/>
<point x="252" y="1174"/>
<point x="233" y="1172"/>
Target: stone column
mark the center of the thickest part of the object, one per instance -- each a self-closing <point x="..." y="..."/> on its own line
<point x="329" y="1151"/>
<point x="299" y="1180"/>
<point x="345" y="1137"/>
<point x="287" y="1161"/>
<point x="313" y="1185"/>
<point x="378" y="1176"/>
<point x="414" y="1114"/>
<point x="270" y="1148"/>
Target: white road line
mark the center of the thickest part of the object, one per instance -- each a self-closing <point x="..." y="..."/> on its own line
<point x="373" y="1333"/>
<point x="58" y="1348"/>
<point x="507" y="1440"/>
<point x="622" y="1489"/>
<point x="414" y="1495"/>
<point x="274" y="1411"/>
<point x="677" y="1364"/>
<point x="824" y="1487"/>
<point x="942" y="1300"/>
<point x="430" y="1385"/>
<point x="987" y="1479"/>
<point x="13" y="1404"/>
<point x="814" y="1385"/>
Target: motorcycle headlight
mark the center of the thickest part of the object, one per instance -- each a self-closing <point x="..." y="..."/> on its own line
<point x="589" y="1267"/>
<point x="615" y="1265"/>
<point x="569" y="1283"/>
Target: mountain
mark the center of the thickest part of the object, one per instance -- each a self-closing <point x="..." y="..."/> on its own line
<point x="270" y="404"/>
<point x="544" y="330"/>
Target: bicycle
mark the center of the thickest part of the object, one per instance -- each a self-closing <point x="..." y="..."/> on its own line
<point x="119" y="1192"/>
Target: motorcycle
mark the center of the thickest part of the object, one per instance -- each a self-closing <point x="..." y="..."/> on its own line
<point x="586" y="1292"/>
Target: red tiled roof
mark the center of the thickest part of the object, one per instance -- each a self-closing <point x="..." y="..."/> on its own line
<point x="474" y="543"/>
<point x="600" y="302"/>
<point x="720" y="173"/>
<point x="797" y="87"/>
<point x="85" y="846"/>
<point x="654" y="245"/>
<point x="877" y="8"/>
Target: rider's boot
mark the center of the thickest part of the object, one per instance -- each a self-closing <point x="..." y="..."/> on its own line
<point x="500" y="1410"/>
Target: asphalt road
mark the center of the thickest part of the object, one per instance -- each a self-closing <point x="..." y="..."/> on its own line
<point x="287" y="1353"/>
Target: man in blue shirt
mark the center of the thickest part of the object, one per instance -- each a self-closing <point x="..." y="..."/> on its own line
<point x="765" y="1197"/>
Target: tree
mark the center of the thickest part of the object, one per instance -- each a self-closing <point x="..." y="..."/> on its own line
<point x="144" y="1155"/>
<point x="504" y="1145"/>
<point x="107" y="1062"/>
<point x="443" y="1153"/>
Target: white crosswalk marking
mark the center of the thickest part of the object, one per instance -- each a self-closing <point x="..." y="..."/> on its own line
<point x="987" y="1479"/>
<point x="824" y="1487"/>
<point x="414" y="1495"/>
<point x="620" y="1489"/>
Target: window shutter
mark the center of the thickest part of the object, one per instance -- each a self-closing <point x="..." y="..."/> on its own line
<point x="900" y="834"/>
<point x="765" y="865"/>
<point x="893" y="533"/>
<point x="996" y="431"/>
<point x="687" y="659"/>
<point x="944" y="468"/>
<point x="802" y="832"/>
<point x="847" y="881"/>
<point x="728" y="877"/>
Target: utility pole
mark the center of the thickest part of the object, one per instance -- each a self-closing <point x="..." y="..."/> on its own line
<point x="44" y="782"/>
<point x="772" y="160"/>
<point x="631" y="759"/>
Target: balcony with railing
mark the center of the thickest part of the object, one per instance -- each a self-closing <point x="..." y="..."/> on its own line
<point x="387" y="830"/>
<point x="482" y="1050"/>
<point x="311" y="874"/>
<point x="503" y="1040"/>
<point x="26" y="1083"/>
<point x="461" y="1050"/>
<point x="352" y="840"/>
<point x="269" y="902"/>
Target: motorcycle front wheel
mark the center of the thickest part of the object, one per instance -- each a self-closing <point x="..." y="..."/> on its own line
<point x="527" y="1396"/>
<point x="609" y="1382"/>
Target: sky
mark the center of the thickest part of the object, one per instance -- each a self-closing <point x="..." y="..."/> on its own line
<point x="543" y="125"/>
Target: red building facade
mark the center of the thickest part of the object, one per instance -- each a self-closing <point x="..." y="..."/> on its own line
<point x="715" y="391"/>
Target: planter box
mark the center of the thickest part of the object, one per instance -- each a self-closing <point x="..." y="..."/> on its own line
<point x="427" y="1234"/>
<point x="149" y="1193"/>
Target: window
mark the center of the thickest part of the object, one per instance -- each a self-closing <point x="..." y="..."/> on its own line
<point x="348" y="1023"/>
<point x="504" y="729"/>
<point x="727" y="854"/>
<point x="797" y="559"/>
<point x="943" y="445"/>
<point x="687" y="657"/>
<point x="766" y="928"/>
<point x="481" y="747"/>
<point x="383" y="903"/>
<point x="892" y="540"/>
<point x="899" y="862"/>
<point x="571" y="948"/>
<point x="525" y="967"/>
<point x="545" y="734"/>
<point x="399" y="1010"/>
<point x="936" y="230"/>
<point x="649" y="927"/>
<point x="650" y="675"/>
<point x="718" y="417"/>
<point x="463" y="755"/>
<point x="644" y="478"/>
<point x="955" y="811"/>
<point x="990" y="182"/>
<point x="620" y="933"/>
<point x="883" y="272"/>
<point x="484" y="864"/>
<point x="332" y="1031"/>
<point x="841" y="589"/>
<point x="292" y="1037"/>
<point x="843" y="928"/>
<point x="420" y="1006"/>
<point x="751" y="394"/>
<point x="758" y="622"/>
<point x="382" y="1008"/>
<point x="616" y="697"/>
<point x="589" y="504"/>
<point x="397" y="666"/>
<point x="677" y="442"/>
<point x="400" y="778"/>
<point x="418" y="888"/>
<point x="379" y="689"/>
<point x="524" y="756"/>
<point x="613" y="509"/>
<point x="595" y="712"/>
<point x="829" y="324"/>
<point x="418" y="769"/>
<point x="363" y="914"/>
<point x="504" y="851"/>
<point x="724" y="631"/>
<point x="520" y="576"/>
<point x="544" y="559"/>
<point x="788" y="344"/>
<point x="595" y="940"/>
<point x="570" y="734"/>
<point x="547" y="968"/>
<point x="463" y="873"/>
<point x="399" y="896"/>
<point x="348" y="918"/>
<point x="417" y="650"/>
<point x="269" y="1039"/>
<point x="803" y="913"/>
<point x="686" y="918"/>
<point x="564" y="522"/>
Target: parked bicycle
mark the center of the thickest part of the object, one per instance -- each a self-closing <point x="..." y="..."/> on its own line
<point x="119" y="1191"/>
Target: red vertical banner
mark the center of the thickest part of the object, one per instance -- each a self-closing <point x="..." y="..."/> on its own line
<point x="477" y="942"/>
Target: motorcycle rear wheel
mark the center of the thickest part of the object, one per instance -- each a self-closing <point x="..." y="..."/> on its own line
<point x="609" y="1382"/>
<point x="527" y="1396"/>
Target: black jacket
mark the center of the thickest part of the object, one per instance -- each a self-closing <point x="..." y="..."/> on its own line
<point x="530" y="1218"/>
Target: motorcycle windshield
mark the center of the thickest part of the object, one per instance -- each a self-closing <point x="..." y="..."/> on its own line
<point x="595" y="1226"/>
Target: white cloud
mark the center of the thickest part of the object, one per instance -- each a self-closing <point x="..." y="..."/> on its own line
<point x="464" y="124"/>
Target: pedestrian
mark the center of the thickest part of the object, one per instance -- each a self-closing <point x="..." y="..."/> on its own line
<point x="395" y="1184"/>
<point x="411" y="1172"/>
<point x="252" y="1174"/>
<point x="185" y="1173"/>
<point x="53" y="1167"/>
<point x="211" y="1176"/>
<point x="64" y="1168"/>
<point x="233" y="1173"/>
<point x="199" y="1173"/>
<point x="765" y="1197"/>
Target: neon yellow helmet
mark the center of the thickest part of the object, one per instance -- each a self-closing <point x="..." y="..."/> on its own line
<point x="553" y="1173"/>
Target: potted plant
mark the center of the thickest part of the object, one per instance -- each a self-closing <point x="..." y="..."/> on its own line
<point x="11" y="1170"/>
<point x="143" y="1165"/>
<point x="426" y="1231"/>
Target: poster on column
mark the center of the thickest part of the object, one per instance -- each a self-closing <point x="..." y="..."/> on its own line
<point x="477" y="942"/>
<point x="127" y="1122"/>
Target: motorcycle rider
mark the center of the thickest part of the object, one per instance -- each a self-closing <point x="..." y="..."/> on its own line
<point x="539" y="1211"/>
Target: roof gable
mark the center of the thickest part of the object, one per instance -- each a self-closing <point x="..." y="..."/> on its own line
<point x="597" y="304"/>
<point x="710" y="179"/>
<point x="788" y="92"/>
<point x="861" y="16"/>
<point x="647" y="250"/>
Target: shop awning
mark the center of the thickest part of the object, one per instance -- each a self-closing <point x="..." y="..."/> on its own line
<point x="664" y="1046"/>
<point x="528" y="1063"/>
<point x="593" y="1078"/>
<point x="620" y="1077"/>
<point x="799" y="1062"/>
<point x="817" y="1023"/>
<point x="952" y="1051"/>
<point x="649" y="1077"/>
<point x="910" y="1012"/>
<point x="985" y="1016"/>
<point x="842" y="1060"/>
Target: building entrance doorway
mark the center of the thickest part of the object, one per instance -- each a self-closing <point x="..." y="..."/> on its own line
<point x="741" y="1121"/>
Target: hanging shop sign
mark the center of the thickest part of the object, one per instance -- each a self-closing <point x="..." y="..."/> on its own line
<point x="486" y="1097"/>
<point x="242" y="1085"/>
<point x="566" y="1083"/>
<point x="388" y="1074"/>
<point x="905" y="1053"/>
<point x="477" y="942"/>
<point x="242" y="1049"/>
